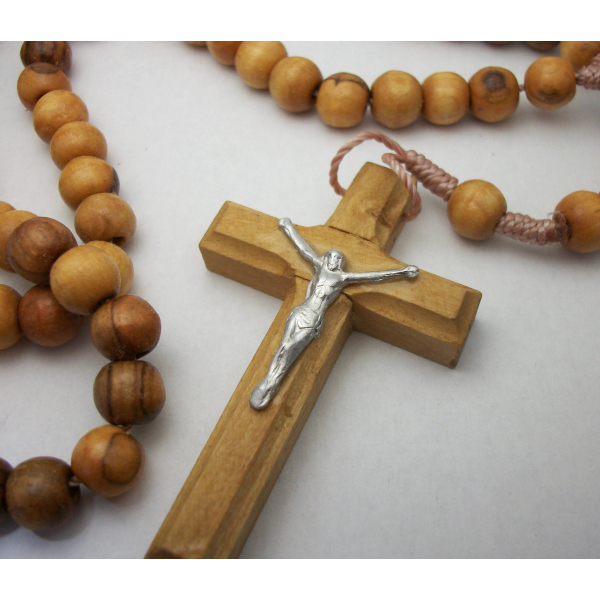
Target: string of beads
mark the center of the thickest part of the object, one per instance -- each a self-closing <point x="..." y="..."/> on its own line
<point x="73" y="281"/>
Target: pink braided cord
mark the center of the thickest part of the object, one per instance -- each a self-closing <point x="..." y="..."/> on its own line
<point x="589" y="75"/>
<point x="408" y="164"/>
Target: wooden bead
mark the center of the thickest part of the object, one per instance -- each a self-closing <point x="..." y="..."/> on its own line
<point x="105" y="217"/>
<point x="5" y="471"/>
<point x="9" y="221"/>
<point x="293" y="83"/>
<point x="445" y="98"/>
<point x="39" y="494"/>
<point x="10" y="332"/>
<point x="44" y="321"/>
<point x="55" y="53"/>
<point x="78" y="138"/>
<point x="34" y="246"/>
<point x="550" y="82"/>
<point x="494" y="94"/>
<point x="56" y="108"/>
<point x="582" y="211"/>
<point x="130" y="392"/>
<point x="39" y="79"/>
<point x="85" y="176"/>
<point x="125" y="328"/>
<point x="123" y="262"/>
<point x="224" y="52"/>
<point x="5" y="207"/>
<point x="108" y="461"/>
<point x="579" y="54"/>
<point x="84" y="278"/>
<point x="474" y="209"/>
<point x="397" y="99"/>
<point x="542" y="46"/>
<point x="254" y="62"/>
<point x="342" y="100"/>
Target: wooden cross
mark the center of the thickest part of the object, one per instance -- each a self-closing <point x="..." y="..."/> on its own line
<point x="430" y="316"/>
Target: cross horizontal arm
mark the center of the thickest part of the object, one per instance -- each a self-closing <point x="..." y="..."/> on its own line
<point x="305" y="250"/>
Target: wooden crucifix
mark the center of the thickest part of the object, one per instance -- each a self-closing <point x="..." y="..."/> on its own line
<point x="430" y="316"/>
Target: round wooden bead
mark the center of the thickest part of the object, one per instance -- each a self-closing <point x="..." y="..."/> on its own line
<point x="397" y="99"/>
<point x="579" y="54"/>
<point x="83" y="278"/>
<point x="254" y="62"/>
<point x="224" y="52"/>
<point x="445" y="98"/>
<point x="293" y="83"/>
<point x="56" y="108"/>
<point x="55" y="53"/>
<point x="34" y="246"/>
<point x="39" y="79"/>
<point x="39" y="494"/>
<point x="342" y="100"/>
<point x="123" y="262"/>
<point x="10" y="332"/>
<point x="85" y="176"/>
<point x="108" y="461"/>
<point x="5" y="207"/>
<point x="44" y="321"/>
<point x="494" y="94"/>
<point x="105" y="217"/>
<point x="5" y="471"/>
<point x="582" y="211"/>
<point x="78" y="138"/>
<point x="542" y="46"/>
<point x="474" y="209"/>
<point x="125" y="328"/>
<point x="9" y="221"/>
<point x="130" y="392"/>
<point x="550" y="82"/>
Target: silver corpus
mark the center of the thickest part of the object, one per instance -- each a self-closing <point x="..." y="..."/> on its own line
<point x="305" y="322"/>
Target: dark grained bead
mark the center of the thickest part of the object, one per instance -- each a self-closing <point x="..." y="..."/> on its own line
<point x="129" y="392"/>
<point x="5" y="471"/>
<point x="55" y="53"/>
<point x="39" y="494"/>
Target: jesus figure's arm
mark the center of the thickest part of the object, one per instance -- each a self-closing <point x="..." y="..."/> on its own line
<point x="307" y="252"/>
<point x="404" y="273"/>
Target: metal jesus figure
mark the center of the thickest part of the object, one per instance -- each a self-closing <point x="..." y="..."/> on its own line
<point x="305" y="322"/>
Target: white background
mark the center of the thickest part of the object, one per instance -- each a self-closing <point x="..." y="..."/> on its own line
<point x="401" y="457"/>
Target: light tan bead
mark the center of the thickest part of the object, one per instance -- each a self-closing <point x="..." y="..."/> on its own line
<point x="445" y="98"/>
<point x="550" y="82"/>
<point x="224" y="52"/>
<point x="39" y="79"/>
<point x="542" y="46"/>
<point x="5" y="207"/>
<point x="56" y="108"/>
<point x="397" y="99"/>
<point x="342" y="100"/>
<point x="44" y="321"/>
<point x="129" y="392"/>
<point x="78" y="138"/>
<point x="35" y="244"/>
<point x="494" y="94"/>
<point x="582" y="211"/>
<point x="55" y="53"/>
<point x="123" y="262"/>
<point x="105" y="217"/>
<point x="125" y="328"/>
<point x="84" y="278"/>
<point x="85" y="176"/>
<point x="9" y="221"/>
<point x="254" y="62"/>
<point x="10" y="332"/>
<point x="579" y="54"/>
<point x="196" y="43"/>
<point x="293" y="83"/>
<point x="474" y="209"/>
<point x="5" y="470"/>
<point x="108" y="461"/>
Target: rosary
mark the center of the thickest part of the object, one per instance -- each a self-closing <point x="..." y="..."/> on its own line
<point x="300" y="349"/>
